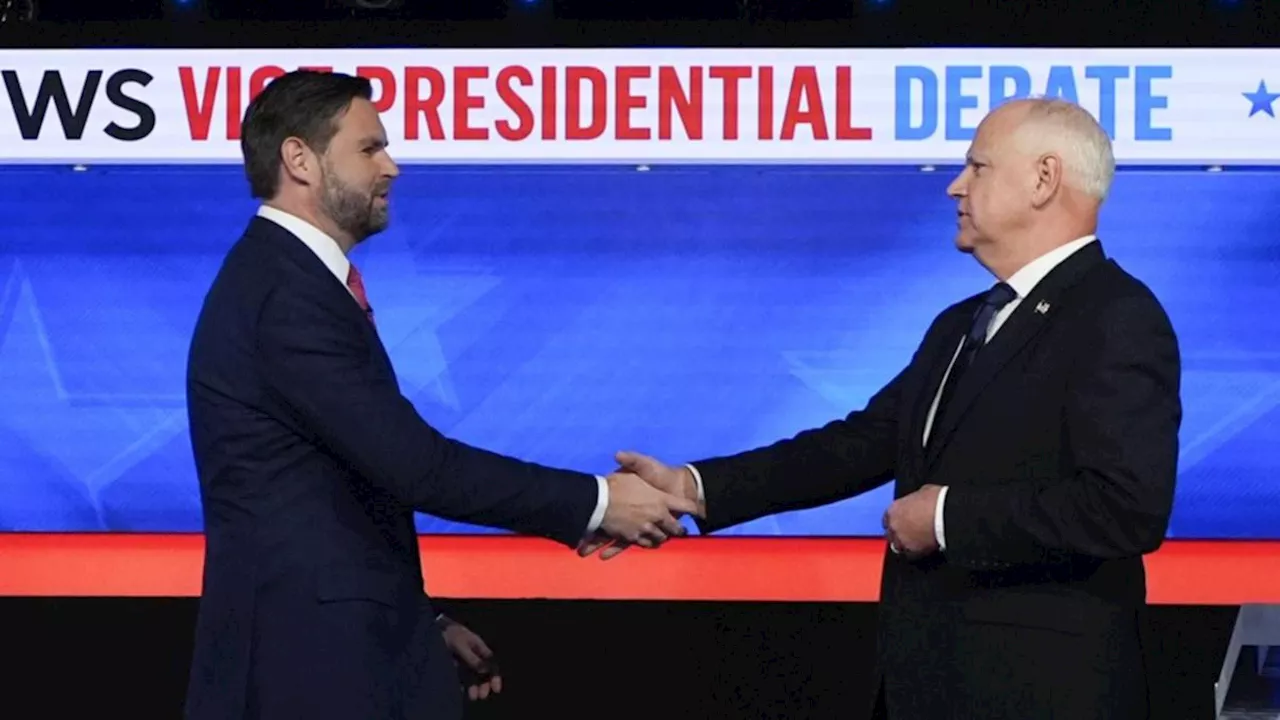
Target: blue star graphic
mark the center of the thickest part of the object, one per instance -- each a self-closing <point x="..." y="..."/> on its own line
<point x="78" y="439"/>
<point x="1261" y="100"/>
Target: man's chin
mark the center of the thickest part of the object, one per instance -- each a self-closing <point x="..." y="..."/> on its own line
<point x="368" y="230"/>
<point x="964" y="243"/>
<point x="377" y="223"/>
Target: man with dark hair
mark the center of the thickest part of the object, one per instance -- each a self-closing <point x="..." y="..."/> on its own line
<point x="311" y="462"/>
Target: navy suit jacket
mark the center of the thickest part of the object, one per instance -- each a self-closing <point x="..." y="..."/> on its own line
<point x="1060" y="448"/>
<point x="311" y="464"/>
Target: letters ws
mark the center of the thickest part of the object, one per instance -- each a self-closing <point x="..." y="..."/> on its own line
<point x="30" y="113"/>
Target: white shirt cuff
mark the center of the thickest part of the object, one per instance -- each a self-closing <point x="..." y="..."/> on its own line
<point x="939" y="531"/>
<point x="697" y="481"/>
<point x="602" y="504"/>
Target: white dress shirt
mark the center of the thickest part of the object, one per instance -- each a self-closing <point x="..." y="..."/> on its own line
<point x="1022" y="282"/>
<point x="330" y="253"/>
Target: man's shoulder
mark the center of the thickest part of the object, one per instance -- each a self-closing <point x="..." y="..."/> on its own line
<point x="1112" y="286"/>
<point x="244" y="269"/>
<point x="1113" y="302"/>
<point x="248" y="274"/>
<point x="258" y="257"/>
<point x="963" y="308"/>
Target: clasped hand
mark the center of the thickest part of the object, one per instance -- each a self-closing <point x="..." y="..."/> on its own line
<point x="646" y="501"/>
<point x="908" y="523"/>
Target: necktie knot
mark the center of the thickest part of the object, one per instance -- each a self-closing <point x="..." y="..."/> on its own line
<point x="356" y="284"/>
<point x="999" y="296"/>
<point x="996" y="298"/>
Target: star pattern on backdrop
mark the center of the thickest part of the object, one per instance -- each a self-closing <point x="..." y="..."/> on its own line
<point x="1261" y="100"/>
<point x="93" y="436"/>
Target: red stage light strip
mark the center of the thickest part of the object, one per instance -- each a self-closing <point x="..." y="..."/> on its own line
<point x="725" y="569"/>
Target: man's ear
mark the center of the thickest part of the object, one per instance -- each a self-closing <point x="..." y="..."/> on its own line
<point x="299" y="162"/>
<point x="1049" y="172"/>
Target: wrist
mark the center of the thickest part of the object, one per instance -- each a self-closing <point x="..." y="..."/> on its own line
<point x="688" y="485"/>
<point x="689" y="489"/>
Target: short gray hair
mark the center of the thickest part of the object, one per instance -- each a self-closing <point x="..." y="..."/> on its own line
<point x="1054" y="124"/>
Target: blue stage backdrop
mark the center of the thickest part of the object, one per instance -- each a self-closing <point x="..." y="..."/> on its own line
<point x="560" y="314"/>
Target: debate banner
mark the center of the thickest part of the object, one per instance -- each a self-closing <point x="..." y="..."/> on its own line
<point x="881" y="106"/>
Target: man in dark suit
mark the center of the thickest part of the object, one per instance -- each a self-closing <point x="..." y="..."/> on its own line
<point x="1034" y="440"/>
<point x="311" y="462"/>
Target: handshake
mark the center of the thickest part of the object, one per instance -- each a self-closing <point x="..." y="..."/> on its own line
<point x="646" y="501"/>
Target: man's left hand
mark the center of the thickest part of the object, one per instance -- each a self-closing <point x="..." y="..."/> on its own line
<point x="475" y="659"/>
<point x="908" y="523"/>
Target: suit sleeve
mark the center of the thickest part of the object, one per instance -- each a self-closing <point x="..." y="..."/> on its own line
<point x="322" y="367"/>
<point x="1121" y="428"/>
<point x="842" y="459"/>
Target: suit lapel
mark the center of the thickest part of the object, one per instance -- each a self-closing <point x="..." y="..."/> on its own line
<point x="944" y="348"/>
<point x="1028" y="320"/>
<point x="296" y="252"/>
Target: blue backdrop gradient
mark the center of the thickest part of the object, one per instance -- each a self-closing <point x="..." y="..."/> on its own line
<point x="560" y="314"/>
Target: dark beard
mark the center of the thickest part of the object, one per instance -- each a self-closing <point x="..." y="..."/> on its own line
<point x="351" y="210"/>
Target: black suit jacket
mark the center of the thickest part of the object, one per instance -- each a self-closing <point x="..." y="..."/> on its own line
<point x="311" y="465"/>
<point x="1059" y="448"/>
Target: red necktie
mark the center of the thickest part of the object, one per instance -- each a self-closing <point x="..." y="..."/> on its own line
<point x="357" y="288"/>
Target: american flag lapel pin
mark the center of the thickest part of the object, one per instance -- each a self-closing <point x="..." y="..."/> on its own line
<point x="1042" y="307"/>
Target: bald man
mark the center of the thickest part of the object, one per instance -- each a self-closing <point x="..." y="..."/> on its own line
<point x="1034" y="441"/>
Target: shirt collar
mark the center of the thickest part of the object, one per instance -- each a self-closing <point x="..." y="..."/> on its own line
<point x="1026" y="279"/>
<point x="325" y="247"/>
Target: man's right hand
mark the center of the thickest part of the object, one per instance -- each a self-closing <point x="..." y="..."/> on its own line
<point x="642" y="514"/>
<point x="676" y="481"/>
<point x="676" y="484"/>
